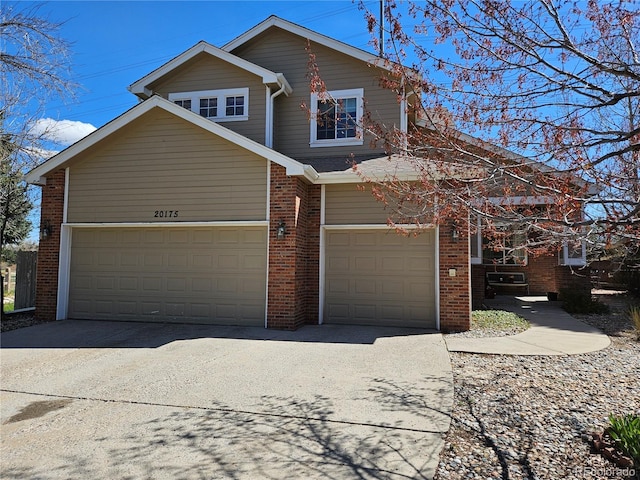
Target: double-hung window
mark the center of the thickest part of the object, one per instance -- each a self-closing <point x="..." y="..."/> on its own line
<point x="336" y="118"/>
<point x="227" y="105"/>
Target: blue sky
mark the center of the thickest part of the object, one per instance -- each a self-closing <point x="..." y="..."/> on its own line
<point x="116" y="43"/>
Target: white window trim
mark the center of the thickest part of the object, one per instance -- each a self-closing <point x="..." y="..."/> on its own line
<point x="358" y="93"/>
<point x="579" y="262"/>
<point x="221" y="95"/>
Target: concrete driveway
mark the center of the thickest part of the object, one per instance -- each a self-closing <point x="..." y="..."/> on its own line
<point x="111" y="400"/>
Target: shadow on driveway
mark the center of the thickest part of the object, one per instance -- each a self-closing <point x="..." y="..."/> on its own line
<point x="105" y="334"/>
<point x="137" y="401"/>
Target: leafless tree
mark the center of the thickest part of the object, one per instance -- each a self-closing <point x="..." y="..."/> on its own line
<point x="34" y="69"/>
<point x="528" y="116"/>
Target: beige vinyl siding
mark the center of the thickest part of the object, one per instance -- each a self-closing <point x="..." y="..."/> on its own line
<point x="349" y="204"/>
<point x="205" y="72"/>
<point x="281" y="51"/>
<point x="214" y="275"/>
<point x="378" y="277"/>
<point x="161" y="162"/>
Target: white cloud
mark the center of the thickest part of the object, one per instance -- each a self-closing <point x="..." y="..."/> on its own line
<point x="62" y="132"/>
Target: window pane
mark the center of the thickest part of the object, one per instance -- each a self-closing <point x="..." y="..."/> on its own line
<point x="325" y="129"/>
<point x="234" y="106"/>
<point x="209" y="107"/>
<point x="575" y="250"/>
<point x="184" y="103"/>
<point x="346" y="118"/>
<point x="509" y="251"/>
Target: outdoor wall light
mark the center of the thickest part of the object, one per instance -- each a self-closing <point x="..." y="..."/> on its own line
<point x="455" y="234"/>
<point x="45" y="230"/>
<point x="281" y="230"/>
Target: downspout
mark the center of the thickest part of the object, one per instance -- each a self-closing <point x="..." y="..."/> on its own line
<point x="269" y="139"/>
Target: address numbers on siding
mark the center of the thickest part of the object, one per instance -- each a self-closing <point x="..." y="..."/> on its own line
<point x="165" y="213"/>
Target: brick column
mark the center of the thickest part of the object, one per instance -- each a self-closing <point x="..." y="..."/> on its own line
<point x="312" y="255"/>
<point x="290" y="277"/>
<point x="51" y="214"/>
<point x="455" y="294"/>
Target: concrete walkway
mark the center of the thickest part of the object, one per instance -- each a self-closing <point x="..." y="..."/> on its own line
<point x="553" y="331"/>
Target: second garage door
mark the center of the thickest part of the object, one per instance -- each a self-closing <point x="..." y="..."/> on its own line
<point x="211" y="275"/>
<point x="377" y="277"/>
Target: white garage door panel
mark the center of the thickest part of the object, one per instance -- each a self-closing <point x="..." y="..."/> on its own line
<point x="377" y="277"/>
<point x="205" y="274"/>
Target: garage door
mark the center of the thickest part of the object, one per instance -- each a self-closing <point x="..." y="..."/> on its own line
<point x="377" y="277"/>
<point x="211" y="275"/>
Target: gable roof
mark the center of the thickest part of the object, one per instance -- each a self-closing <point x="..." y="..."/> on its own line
<point x="315" y="37"/>
<point x="140" y="89"/>
<point x="36" y="176"/>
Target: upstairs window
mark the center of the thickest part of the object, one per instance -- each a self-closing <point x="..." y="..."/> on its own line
<point x="234" y="106"/>
<point x="336" y="118"/>
<point x="228" y="105"/>
<point x="186" y="103"/>
<point x="209" y="107"/>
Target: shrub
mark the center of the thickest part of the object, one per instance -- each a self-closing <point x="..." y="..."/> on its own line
<point x="625" y="431"/>
<point x="581" y="302"/>
<point x="498" y="320"/>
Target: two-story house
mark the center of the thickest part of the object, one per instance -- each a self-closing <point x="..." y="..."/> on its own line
<point x="219" y="199"/>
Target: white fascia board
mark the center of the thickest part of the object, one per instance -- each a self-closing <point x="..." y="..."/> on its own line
<point x="332" y="178"/>
<point x="293" y="167"/>
<point x="268" y="77"/>
<point x="303" y="32"/>
<point x="36" y="175"/>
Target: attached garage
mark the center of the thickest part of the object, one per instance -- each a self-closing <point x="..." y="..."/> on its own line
<point x="169" y="274"/>
<point x="373" y="275"/>
<point x="377" y="277"/>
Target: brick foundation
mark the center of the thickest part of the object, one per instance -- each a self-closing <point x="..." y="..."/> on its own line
<point x="51" y="214"/>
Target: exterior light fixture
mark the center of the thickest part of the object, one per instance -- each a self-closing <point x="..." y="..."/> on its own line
<point x="281" y="231"/>
<point x="45" y="230"/>
<point x="455" y="234"/>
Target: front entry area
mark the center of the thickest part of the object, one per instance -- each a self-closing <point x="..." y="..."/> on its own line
<point x="210" y="274"/>
<point x="379" y="277"/>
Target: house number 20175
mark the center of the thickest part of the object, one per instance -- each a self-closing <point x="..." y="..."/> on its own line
<point x="165" y="213"/>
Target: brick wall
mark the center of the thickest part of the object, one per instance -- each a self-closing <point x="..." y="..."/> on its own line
<point x="290" y="278"/>
<point x="51" y="213"/>
<point x="576" y="279"/>
<point x="455" y="301"/>
<point x="543" y="275"/>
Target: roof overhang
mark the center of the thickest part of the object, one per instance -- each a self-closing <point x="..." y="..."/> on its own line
<point x="140" y="87"/>
<point x="396" y="167"/>
<point x="293" y="167"/>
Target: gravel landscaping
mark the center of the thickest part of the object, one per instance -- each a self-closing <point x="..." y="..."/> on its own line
<point x="529" y="417"/>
